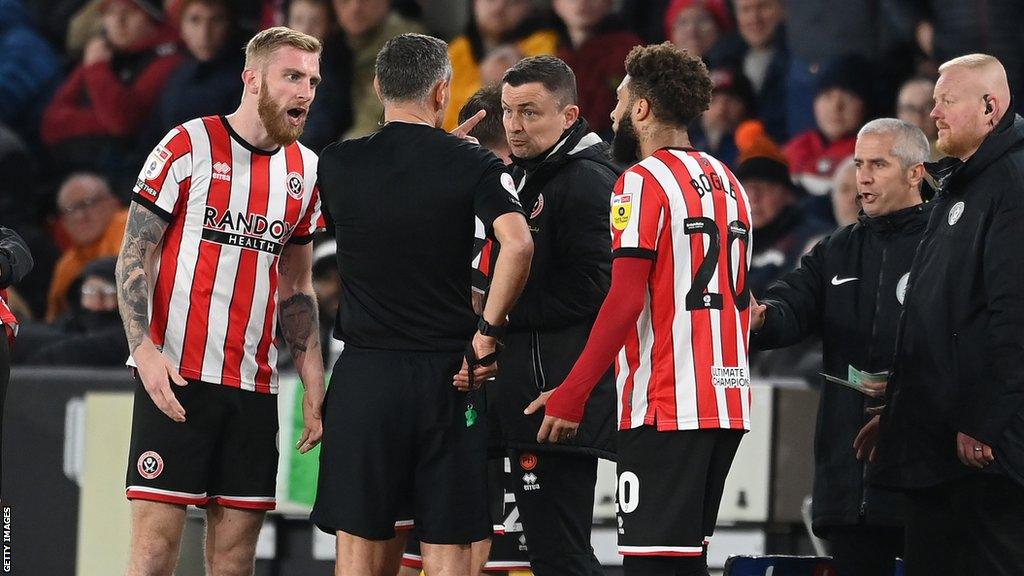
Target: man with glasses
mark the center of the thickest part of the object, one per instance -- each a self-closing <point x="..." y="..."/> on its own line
<point x="94" y="221"/>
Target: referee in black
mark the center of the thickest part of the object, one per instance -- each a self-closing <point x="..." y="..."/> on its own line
<point x="405" y="434"/>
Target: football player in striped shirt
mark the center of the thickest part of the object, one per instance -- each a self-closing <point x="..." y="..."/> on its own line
<point x="675" y="321"/>
<point x="216" y="250"/>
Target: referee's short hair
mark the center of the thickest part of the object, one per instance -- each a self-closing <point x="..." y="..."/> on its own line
<point x="409" y="65"/>
<point x="490" y="131"/>
<point x="556" y="76"/>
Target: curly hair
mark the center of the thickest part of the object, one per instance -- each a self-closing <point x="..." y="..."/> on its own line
<point x="676" y="84"/>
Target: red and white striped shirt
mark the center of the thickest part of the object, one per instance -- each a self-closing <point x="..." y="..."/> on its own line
<point x="231" y="208"/>
<point x="7" y="319"/>
<point x="685" y="365"/>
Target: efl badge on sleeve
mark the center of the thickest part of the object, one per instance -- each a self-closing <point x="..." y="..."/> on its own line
<point x="622" y="206"/>
<point x="155" y="163"/>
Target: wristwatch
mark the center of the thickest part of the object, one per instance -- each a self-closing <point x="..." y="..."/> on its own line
<point x="487" y="329"/>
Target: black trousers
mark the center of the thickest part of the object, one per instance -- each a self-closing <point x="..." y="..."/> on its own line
<point x="5" y="377"/>
<point x="865" y="550"/>
<point x="973" y="526"/>
<point x="555" y="497"/>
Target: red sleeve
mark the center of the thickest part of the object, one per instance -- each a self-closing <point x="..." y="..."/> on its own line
<point x="120" y="108"/>
<point x="65" y="117"/>
<point x="618" y="315"/>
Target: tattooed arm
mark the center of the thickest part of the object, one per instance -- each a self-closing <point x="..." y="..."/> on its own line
<point x="298" y="316"/>
<point x="142" y="234"/>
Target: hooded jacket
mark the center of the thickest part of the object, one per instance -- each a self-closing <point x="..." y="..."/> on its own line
<point x="958" y="358"/>
<point x="849" y="290"/>
<point x="566" y="192"/>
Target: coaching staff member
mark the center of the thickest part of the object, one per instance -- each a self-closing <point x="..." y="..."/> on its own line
<point x="952" y="434"/>
<point x="850" y="290"/>
<point x="403" y="444"/>
<point x="565" y="178"/>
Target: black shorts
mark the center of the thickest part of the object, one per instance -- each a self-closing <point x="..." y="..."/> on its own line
<point x="400" y="449"/>
<point x="670" y="486"/>
<point x="508" y="546"/>
<point x="225" y="451"/>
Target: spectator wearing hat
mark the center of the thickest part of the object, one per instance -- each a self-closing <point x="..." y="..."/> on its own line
<point x="840" y="108"/>
<point x="90" y="333"/>
<point x="732" y="102"/>
<point x="96" y="115"/>
<point x="206" y="82"/>
<point x="493" y="26"/>
<point x="695" y="25"/>
<point x="781" y="231"/>
<point x="758" y="49"/>
<point x="594" y="42"/>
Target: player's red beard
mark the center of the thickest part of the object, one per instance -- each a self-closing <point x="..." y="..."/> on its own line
<point x="275" y="120"/>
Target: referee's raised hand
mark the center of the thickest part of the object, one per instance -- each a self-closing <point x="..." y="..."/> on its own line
<point x="462" y="130"/>
<point x="156" y="373"/>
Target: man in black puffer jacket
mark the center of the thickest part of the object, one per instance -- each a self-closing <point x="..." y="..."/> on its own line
<point x="564" y="179"/>
<point x="952" y="434"/>
<point x="850" y="290"/>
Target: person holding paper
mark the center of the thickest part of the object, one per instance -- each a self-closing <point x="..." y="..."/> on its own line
<point x="850" y="290"/>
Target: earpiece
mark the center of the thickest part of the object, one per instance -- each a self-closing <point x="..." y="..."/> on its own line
<point x="988" y="105"/>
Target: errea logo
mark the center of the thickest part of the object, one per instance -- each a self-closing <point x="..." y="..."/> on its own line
<point x="222" y="171"/>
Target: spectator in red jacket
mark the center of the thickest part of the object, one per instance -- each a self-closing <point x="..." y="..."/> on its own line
<point x="594" y="42"/>
<point x="840" y="108"/>
<point x="103" y="104"/>
<point x="695" y="25"/>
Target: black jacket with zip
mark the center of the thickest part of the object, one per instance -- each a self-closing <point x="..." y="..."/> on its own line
<point x="567" y="193"/>
<point x="959" y="363"/>
<point x="849" y="290"/>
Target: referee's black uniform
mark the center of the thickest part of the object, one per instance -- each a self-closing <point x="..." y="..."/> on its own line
<point x="400" y="442"/>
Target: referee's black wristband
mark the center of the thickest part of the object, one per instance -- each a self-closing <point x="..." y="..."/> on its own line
<point x="487" y="329"/>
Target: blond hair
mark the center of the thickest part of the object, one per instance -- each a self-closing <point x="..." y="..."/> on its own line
<point x="972" y="62"/>
<point x="264" y="44"/>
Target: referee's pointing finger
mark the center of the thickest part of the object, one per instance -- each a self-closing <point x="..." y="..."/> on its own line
<point x="466" y="127"/>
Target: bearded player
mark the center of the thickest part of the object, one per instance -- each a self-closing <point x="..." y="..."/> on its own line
<point x="216" y="249"/>
<point x="675" y="321"/>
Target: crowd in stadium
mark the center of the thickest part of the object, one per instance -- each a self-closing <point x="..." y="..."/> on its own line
<point x="89" y="86"/>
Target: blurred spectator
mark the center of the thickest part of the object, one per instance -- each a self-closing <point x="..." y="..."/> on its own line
<point x="594" y="43"/>
<point x="29" y="71"/>
<point x="90" y="333"/>
<point x="819" y="31"/>
<point x="497" y="61"/>
<point x="98" y="112"/>
<point x="695" y="25"/>
<point x="84" y="25"/>
<point x="313" y="17"/>
<point x="206" y="82"/>
<point x="94" y="222"/>
<point x="845" y="199"/>
<point x="327" y="285"/>
<point x="732" y="102"/>
<point x="367" y="25"/>
<point x="781" y="231"/>
<point x="494" y="23"/>
<point x="758" y="49"/>
<point x="914" y="104"/>
<point x="840" y="108"/>
<point x="646" y="18"/>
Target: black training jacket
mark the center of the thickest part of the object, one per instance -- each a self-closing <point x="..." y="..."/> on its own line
<point x="566" y="193"/>
<point x="959" y="362"/>
<point x="849" y="290"/>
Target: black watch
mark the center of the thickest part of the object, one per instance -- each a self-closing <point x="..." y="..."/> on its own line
<point x="488" y="329"/>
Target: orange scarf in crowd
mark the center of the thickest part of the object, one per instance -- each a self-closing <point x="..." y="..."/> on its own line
<point x="74" y="260"/>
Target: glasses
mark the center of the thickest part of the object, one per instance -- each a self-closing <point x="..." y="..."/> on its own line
<point x="106" y="291"/>
<point x="81" y="206"/>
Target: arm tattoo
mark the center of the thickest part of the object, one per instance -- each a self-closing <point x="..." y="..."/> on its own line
<point x="298" y="324"/>
<point x="142" y="234"/>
